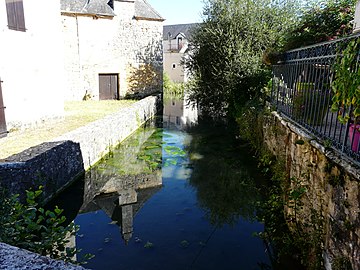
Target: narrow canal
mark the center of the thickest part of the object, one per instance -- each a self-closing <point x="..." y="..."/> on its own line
<point x="178" y="194"/>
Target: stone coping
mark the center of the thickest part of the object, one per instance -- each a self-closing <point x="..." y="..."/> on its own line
<point x="14" y="258"/>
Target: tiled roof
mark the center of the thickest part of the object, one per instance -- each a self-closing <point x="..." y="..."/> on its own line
<point x="96" y="7"/>
<point x="143" y="10"/>
<point x="174" y="30"/>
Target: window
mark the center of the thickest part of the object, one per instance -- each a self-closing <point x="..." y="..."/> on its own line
<point x="173" y="66"/>
<point x="15" y="15"/>
<point x="180" y="43"/>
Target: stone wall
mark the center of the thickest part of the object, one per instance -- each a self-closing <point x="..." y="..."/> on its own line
<point x="106" y="45"/>
<point x="97" y="138"/>
<point x="54" y="165"/>
<point x="332" y="189"/>
<point x="51" y="165"/>
<point x="16" y="258"/>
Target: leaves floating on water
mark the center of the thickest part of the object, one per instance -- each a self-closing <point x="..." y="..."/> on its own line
<point x="148" y="245"/>
<point x="174" y="151"/>
<point x="107" y="240"/>
<point x="184" y="244"/>
<point x="170" y="161"/>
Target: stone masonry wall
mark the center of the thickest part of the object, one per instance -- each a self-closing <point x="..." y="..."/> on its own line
<point x="16" y="258"/>
<point x="97" y="138"/>
<point x="96" y="46"/>
<point x="54" y="165"/>
<point x="332" y="188"/>
<point x="51" y="165"/>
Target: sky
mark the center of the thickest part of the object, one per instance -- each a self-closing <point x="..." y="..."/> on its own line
<point x="178" y="12"/>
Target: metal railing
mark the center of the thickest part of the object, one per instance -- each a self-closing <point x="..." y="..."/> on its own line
<point x="302" y="92"/>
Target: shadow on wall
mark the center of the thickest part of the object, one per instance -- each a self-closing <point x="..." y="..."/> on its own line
<point x="146" y="79"/>
<point x="53" y="165"/>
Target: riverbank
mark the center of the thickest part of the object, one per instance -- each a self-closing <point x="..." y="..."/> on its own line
<point x="55" y="164"/>
<point x="76" y="114"/>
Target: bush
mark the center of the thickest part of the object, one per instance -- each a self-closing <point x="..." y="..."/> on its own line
<point x="322" y="21"/>
<point x="31" y="227"/>
<point x="311" y="105"/>
<point x="227" y="49"/>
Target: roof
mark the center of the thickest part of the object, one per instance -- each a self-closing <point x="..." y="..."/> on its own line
<point x="175" y="29"/>
<point x="144" y="11"/>
<point x="95" y="7"/>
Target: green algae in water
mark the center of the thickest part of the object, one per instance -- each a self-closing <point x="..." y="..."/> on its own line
<point x="148" y="245"/>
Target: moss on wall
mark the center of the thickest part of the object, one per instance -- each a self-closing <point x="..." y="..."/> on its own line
<point x="328" y="212"/>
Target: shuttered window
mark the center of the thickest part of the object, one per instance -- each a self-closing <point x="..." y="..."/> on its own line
<point x="15" y="15"/>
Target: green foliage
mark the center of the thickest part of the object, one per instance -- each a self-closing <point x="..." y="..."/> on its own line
<point x="31" y="227"/>
<point x="322" y="21"/>
<point x="251" y="125"/>
<point x="143" y="81"/>
<point x="291" y="237"/>
<point x="148" y="245"/>
<point x="311" y="105"/>
<point x="346" y="83"/>
<point x="341" y="263"/>
<point x="146" y="79"/>
<point x="151" y="152"/>
<point x="226" y="55"/>
<point x="172" y="88"/>
<point x="225" y="188"/>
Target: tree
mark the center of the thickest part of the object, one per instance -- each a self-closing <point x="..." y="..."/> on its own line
<point x="322" y="21"/>
<point x="226" y="55"/>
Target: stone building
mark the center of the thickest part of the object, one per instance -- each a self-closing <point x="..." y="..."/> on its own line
<point x="58" y="50"/>
<point x="175" y="44"/>
<point x="32" y="63"/>
<point x="105" y="42"/>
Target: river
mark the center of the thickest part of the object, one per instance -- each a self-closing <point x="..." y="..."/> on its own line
<point x="180" y="193"/>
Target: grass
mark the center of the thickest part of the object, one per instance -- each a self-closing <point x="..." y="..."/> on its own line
<point x="77" y="114"/>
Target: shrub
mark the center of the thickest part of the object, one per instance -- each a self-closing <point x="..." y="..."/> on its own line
<point x="30" y="226"/>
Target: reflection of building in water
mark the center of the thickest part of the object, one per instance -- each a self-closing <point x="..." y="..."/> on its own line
<point x="122" y="207"/>
<point x="125" y="180"/>
<point x="180" y="113"/>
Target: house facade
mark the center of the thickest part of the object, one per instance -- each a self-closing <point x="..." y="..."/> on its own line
<point x="58" y="50"/>
<point x="31" y="66"/>
<point x="176" y="44"/>
<point x="105" y="42"/>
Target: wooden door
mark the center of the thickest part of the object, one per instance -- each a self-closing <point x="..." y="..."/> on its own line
<point x="3" y="130"/>
<point x="108" y="86"/>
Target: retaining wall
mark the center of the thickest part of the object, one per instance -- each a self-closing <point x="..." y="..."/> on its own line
<point x="16" y="258"/>
<point x="332" y="189"/>
<point x="55" y="165"/>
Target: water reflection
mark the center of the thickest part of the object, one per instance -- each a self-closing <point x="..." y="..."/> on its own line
<point x="180" y="113"/>
<point x="182" y="196"/>
<point x="126" y="178"/>
<point x="224" y="178"/>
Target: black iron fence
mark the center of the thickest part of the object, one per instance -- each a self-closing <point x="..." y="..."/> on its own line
<point x="302" y="91"/>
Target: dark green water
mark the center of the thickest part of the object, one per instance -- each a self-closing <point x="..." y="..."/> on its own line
<point x="175" y="195"/>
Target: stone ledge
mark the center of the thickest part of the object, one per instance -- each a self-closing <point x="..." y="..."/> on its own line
<point x="18" y="259"/>
<point x="55" y="165"/>
<point x="333" y="154"/>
